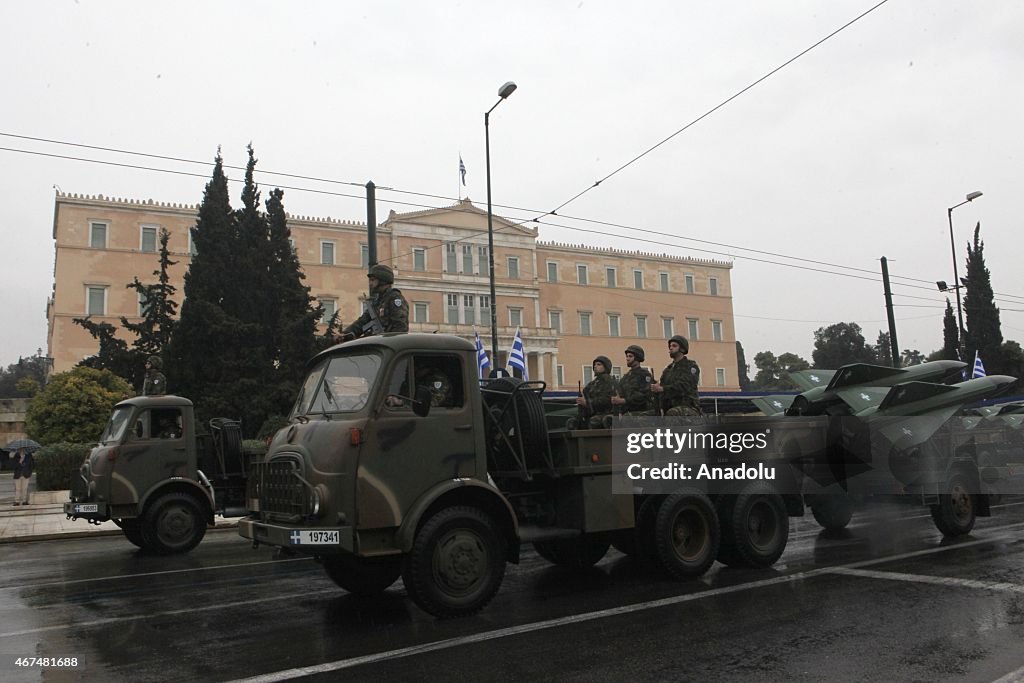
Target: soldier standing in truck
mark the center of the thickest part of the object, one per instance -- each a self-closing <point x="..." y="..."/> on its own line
<point x="634" y="394"/>
<point x="387" y="309"/>
<point x="155" y="383"/>
<point x="677" y="387"/>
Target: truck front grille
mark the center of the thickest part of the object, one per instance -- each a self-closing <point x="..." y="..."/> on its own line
<point x="281" y="489"/>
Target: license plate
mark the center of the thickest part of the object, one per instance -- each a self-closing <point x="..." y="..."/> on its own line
<point x="87" y="508"/>
<point x="308" y="537"/>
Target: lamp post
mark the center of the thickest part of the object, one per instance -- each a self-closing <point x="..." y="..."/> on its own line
<point x="971" y="196"/>
<point x="503" y="93"/>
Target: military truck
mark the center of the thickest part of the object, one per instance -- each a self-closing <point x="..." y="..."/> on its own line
<point x="159" y="477"/>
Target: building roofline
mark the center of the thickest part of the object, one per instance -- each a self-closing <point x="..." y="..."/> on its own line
<point x="611" y="251"/>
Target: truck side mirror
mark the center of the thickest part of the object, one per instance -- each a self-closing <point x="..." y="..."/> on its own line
<point x="421" y="406"/>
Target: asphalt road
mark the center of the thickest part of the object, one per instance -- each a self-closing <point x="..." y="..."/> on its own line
<point x="887" y="600"/>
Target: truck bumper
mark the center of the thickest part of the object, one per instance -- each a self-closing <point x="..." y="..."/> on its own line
<point x="299" y="538"/>
<point x="87" y="510"/>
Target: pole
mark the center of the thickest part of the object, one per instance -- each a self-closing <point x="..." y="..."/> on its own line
<point x="371" y="223"/>
<point x="490" y="239"/>
<point x="893" y="344"/>
<point x="956" y="279"/>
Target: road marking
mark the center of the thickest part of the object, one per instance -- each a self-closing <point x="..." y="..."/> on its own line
<point x="1012" y="677"/>
<point x="288" y="674"/>
<point x="933" y="580"/>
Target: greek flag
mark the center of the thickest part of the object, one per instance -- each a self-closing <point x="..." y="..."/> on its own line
<point x="517" y="357"/>
<point x="979" y="367"/>
<point x="482" y="362"/>
<point x="462" y="170"/>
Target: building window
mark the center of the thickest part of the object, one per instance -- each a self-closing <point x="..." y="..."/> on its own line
<point x="192" y="244"/>
<point x="716" y="330"/>
<point x="617" y="371"/>
<point x="663" y="279"/>
<point x="713" y="286"/>
<point x="467" y="259"/>
<point x="641" y="326"/>
<point x="691" y="328"/>
<point x="326" y="253"/>
<point x="147" y="241"/>
<point x="98" y="235"/>
<point x="552" y="271"/>
<point x="720" y="377"/>
<point x="609" y="275"/>
<point x="364" y="255"/>
<point x="143" y="304"/>
<point x="668" y="327"/>
<point x="585" y="324"/>
<point x="421" y="312"/>
<point x="613" y="325"/>
<point x="95" y="300"/>
<point x="451" y="258"/>
<point x="483" y="262"/>
<point x="581" y="274"/>
<point x="419" y="259"/>
<point x="515" y="317"/>
<point x="485" y="308"/>
<point x="469" y="309"/>
<point x="330" y="307"/>
<point x="513" y="267"/>
<point x="453" y="309"/>
<point x="560" y="375"/>
<point x="638" y="279"/>
<point x="555" y="321"/>
<point x="588" y="374"/>
<point x="689" y="284"/>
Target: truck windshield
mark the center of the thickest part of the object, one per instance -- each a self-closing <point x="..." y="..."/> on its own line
<point x="117" y="425"/>
<point x="343" y="386"/>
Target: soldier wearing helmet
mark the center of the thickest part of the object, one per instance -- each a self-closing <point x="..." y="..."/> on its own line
<point x="634" y="395"/>
<point x="155" y="383"/>
<point x="677" y="388"/>
<point x="389" y="304"/>
<point x="596" y="402"/>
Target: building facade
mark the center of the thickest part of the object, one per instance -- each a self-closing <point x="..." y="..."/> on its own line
<point x="571" y="302"/>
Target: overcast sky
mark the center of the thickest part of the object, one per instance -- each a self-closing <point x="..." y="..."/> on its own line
<point x="852" y="152"/>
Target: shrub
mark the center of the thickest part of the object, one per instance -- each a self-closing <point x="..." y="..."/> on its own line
<point x="74" y="406"/>
<point x="254" y="446"/>
<point x="55" y="464"/>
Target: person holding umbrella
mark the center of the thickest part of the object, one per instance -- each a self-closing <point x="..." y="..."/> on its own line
<point x="23" y="464"/>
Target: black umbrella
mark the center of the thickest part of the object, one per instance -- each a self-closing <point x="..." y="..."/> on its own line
<point x="28" y="444"/>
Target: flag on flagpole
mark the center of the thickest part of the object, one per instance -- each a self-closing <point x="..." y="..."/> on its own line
<point x="462" y="170"/>
<point x="979" y="367"/>
<point x="482" y="362"/>
<point x="517" y="357"/>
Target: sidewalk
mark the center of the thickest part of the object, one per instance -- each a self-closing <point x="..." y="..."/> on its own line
<point x="44" y="519"/>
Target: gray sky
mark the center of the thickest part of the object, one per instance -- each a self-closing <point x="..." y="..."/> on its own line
<point x="852" y="152"/>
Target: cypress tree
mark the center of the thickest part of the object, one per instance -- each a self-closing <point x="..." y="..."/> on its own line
<point x="984" y="333"/>
<point x="159" y="308"/>
<point x="950" y="336"/>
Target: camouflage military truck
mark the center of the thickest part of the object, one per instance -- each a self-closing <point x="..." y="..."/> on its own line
<point x="157" y="477"/>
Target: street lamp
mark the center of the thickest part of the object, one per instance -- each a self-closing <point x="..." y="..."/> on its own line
<point x="956" y="275"/>
<point x="503" y="93"/>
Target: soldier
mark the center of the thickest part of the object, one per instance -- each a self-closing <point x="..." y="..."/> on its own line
<point x="438" y="382"/>
<point x="677" y="387"/>
<point x="155" y="384"/>
<point x="596" y="402"/>
<point x="391" y="308"/>
<point x="634" y="395"/>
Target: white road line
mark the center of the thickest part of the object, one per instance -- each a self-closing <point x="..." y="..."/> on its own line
<point x="1012" y="677"/>
<point x="932" y="580"/>
<point x="288" y="674"/>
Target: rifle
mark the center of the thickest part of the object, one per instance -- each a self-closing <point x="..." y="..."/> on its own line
<point x="582" y="412"/>
<point x="373" y="325"/>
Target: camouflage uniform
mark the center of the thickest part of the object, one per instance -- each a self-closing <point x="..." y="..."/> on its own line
<point x="392" y="308"/>
<point x="155" y="383"/>
<point x="599" y="392"/>
<point x="635" y="387"/>
<point x="440" y="387"/>
<point x="680" y="380"/>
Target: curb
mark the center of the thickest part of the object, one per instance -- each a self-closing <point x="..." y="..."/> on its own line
<point x="222" y="526"/>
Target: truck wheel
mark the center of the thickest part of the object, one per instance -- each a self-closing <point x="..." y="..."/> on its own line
<point x="832" y="512"/>
<point x="173" y="524"/>
<point x="686" y="534"/>
<point x="582" y="552"/>
<point x="456" y="564"/>
<point x="755" y="526"/>
<point x="132" y="531"/>
<point x="957" y="509"/>
<point x="362" y="576"/>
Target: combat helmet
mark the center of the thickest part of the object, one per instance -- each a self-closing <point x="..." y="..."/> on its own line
<point x="155" y="362"/>
<point x="603" y="360"/>
<point x="637" y="351"/>
<point x="684" y="345"/>
<point x="383" y="273"/>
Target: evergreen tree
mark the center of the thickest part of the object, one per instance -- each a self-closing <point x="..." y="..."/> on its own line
<point x="841" y="344"/>
<point x="883" y="349"/>
<point x="984" y="333"/>
<point x="158" y="308"/>
<point x="113" y="355"/>
<point x="950" y="336"/>
<point x="773" y="373"/>
<point x="33" y="368"/>
<point x="742" y="370"/>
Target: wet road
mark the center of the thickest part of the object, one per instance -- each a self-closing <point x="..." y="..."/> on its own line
<point x="887" y="600"/>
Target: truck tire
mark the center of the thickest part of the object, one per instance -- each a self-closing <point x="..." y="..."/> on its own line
<point x="362" y="576"/>
<point x="957" y="509"/>
<point x="132" y="531"/>
<point x="456" y="564"/>
<point x="832" y="512"/>
<point x="755" y="526"/>
<point x="686" y="534"/>
<point x="582" y="552"/>
<point x="173" y="524"/>
<point x="532" y="423"/>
